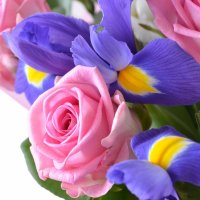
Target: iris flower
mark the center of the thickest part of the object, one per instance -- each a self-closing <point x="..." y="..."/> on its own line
<point x="161" y="73"/>
<point x="164" y="157"/>
<point x="43" y="41"/>
<point x="32" y="82"/>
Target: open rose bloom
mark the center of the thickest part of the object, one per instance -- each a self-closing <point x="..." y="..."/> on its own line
<point x="180" y="21"/>
<point x="11" y="13"/>
<point x="78" y="132"/>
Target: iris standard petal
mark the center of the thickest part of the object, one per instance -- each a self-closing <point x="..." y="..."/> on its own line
<point x="116" y="53"/>
<point x="161" y="73"/>
<point x="32" y="82"/>
<point x="145" y="180"/>
<point x="43" y="41"/>
<point x="84" y="55"/>
<point x="117" y="20"/>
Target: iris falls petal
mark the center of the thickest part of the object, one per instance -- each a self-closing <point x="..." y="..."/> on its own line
<point x="164" y="157"/>
<point x="161" y="73"/>
<point x="142" y="143"/>
<point x="145" y="180"/>
<point x="32" y="82"/>
<point x="185" y="166"/>
<point x="172" y="151"/>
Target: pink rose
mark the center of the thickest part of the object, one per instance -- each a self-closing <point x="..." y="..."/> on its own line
<point x="11" y="12"/>
<point x="78" y="132"/>
<point x="6" y="59"/>
<point x="180" y="21"/>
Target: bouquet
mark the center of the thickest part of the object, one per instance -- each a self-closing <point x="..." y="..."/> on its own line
<point x="113" y="92"/>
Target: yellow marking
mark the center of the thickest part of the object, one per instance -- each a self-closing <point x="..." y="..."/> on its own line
<point x="136" y="81"/>
<point x="165" y="149"/>
<point x="34" y="77"/>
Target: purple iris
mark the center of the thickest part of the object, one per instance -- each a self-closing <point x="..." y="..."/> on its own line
<point x="164" y="157"/>
<point x="43" y="41"/>
<point x="32" y="82"/>
<point x="161" y="73"/>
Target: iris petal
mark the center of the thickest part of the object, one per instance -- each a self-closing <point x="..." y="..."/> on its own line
<point x="116" y="53"/>
<point x="171" y="150"/>
<point x="135" y="173"/>
<point x="143" y="143"/>
<point x="43" y="41"/>
<point x="185" y="166"/>
<point x="84" y="55"/>
<point x="173" y="71"/>
<point x="32" y="82"/>
<point x="117" y="20"/>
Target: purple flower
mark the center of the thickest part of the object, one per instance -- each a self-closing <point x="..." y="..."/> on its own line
<point x="32" y="82"/>
<point x="161" y="73"/>
<point x="164" y="157"/>
<point x="43" y="41"/>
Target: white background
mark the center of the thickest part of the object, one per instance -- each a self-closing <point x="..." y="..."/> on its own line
<point x="15" y="180"/>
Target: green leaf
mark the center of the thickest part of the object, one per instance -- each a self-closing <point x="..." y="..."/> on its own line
<point x="142" y="113"/>
<point x="60" y="6"/>
<point x="152" y="29"/>
<point x="187" y="191"/>
<point x="177" y="117"/>
<point x="139" y="45"/>
<point x="53" y="3"/>
<point x="122" y="194"/>
<point x="51" y="185"/>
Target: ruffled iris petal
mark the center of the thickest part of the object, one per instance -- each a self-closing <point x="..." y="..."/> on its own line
<point x="43" y="41"/>
<point x="32" y="82"/>
<point x="84" y="55"/>
<point x="117" y="20"/>
<point x="165" y="74"/>
<point x="116" y="53"/>
<point x="145" y="180"/>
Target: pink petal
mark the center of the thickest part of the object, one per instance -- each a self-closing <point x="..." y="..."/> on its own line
<point x="91" y="76"/>
<point x="193" y="11"/>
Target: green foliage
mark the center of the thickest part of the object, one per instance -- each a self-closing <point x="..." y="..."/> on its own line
<point x="142" y="113"/>
<point x="152" y="29"/>
<point x="60" y="6"/>
<point x="53" y="3"/>
<point x="187" y="191"/>
<point x="181" y="118"/>
<point x="118" y="193"/>
<point x="51" y="185"/>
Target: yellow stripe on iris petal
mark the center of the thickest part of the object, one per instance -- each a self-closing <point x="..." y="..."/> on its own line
<point x="166" y="149"/>
<point x="136" y="81"/>
<point x="34" y="77"/>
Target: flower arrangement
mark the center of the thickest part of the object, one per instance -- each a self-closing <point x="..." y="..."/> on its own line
<point x="113" y="91"/>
